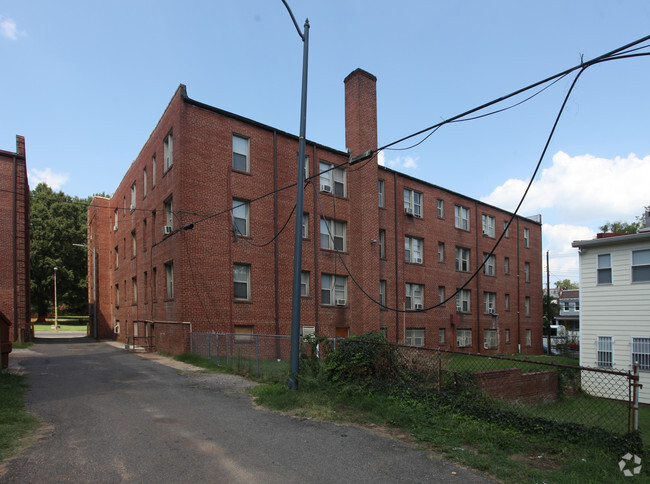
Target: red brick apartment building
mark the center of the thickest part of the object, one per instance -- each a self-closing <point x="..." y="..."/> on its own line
<point x="409" y="244"/>
<point x="14" y="241"/>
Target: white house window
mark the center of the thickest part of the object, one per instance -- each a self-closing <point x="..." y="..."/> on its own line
<point x="168" y="208"/>
<point x="441" y="294"/>
<point x="529" y="337"/>
<point x="414" y="337"/>
<point x="526" y="237"/>
<point x="116" y="217"/>
<point x="441" y="251"/>
<point x="507" y="336"/>
<point x="240" y="153"/>
<point x="241" y="217"/>
<point x="332" y="234"/>
<point x="441" y="208"/>
<point x="506" y="265"/>
<point x="168" y="152"/>
<point x="305" y="225"/>
<point x="489" y="302"/>
<point x="489" y="225"/>
<point x="441" y="336"/>
<point x="334" y="290"/>
<point x="413" y="249"/>
<point x="134" y="287"/>
<point x="641" y="265"/>
<point x="527" y="305"/>
<point x="463" y="338"/>
<point x="462" y="259"/>
<point x="489" y="266"/>
<point x="566" y="305"/>
<point x="461" y="217"/>
<point x="527" y="271"/>
<point x="382" y="292"/>
<point x="169" y="273"/>
<point x="332" y="180"/>
<point x="133" y="243"/>
<point x="506" y="229"/>
<point x="463" y="301"/>
<point x="306" y="166"/>
<point x="381" y="192"/>
<point x="242" y="281"/>
<point x="304" y="283"/>
<point x="414" y="296"/>
<point x="153" y="170"/>
<point x="604" y="352"/>
<point x="382" y="244"/>
<point x="576" y="305"/>
<point x="490" y="339"/>
<point x="604" y="269"/>
<point x="412" y="202"/>
<point x="117" y="258"/>
<point x="641" y="352"/>
<point x="133" y="196"/>
<point x="144" y="182"/>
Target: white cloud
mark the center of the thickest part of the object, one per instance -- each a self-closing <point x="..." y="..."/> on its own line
<point x="557" y="240"/>
<point x="53" y="180"/>
<point x="405" y="163"/>
<point x="8" y="28"/>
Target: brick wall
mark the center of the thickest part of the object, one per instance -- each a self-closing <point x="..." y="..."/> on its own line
<point x="512" y="384"/>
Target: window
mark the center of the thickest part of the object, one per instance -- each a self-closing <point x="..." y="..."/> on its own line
<point x="566" y="305"/>
<point x="133" y="196"/>
<point x="144" y="182"/>
<point x="506" y="302"/>
<point x="382" y="244"/>
<point x="242" y="281"/>
<point x="462" y="259"/>
<point x="240" y="217"/>
<point x="526" y="237"/>
<point x="463" y="301"/>
<point x="134" y="287"/>
<point x="332" y="234"/>
<point x="117" y="257"/>
<point x="527" y="305"/>
<point x="306" y="165"/>
<point x="382" y="194"/>
<point x="117" y="295"/>
<point x="576" y="305"/>
<point x="506" y="265"/>
<point x="243" y="333"/>
<point x="115" y="220"/>
<point x="529" y="337"/>
<point x="605" y="352"/>
<point x="413" y="250"/>
<point x="441" y="336"/>
<point x="332" y="180"/>
<point x="507" y="336"/>
<point x="461" y="217"/>
<point x="334" y="290"/>
<point x="490" y="339"/>
<point x="604" y="270"/>
<point x="414" y="296"/>
<point x="144" y="235"/>
<point x="441" y="294"/>
<point x="641" y="265"/>
<point x="489" y="302"/>
<point x="240" y="153"/>
<point x="133" y="241"/>
<point x="153" y="170"/>
<point x="414" y="337"/>
<point x="527" y="271"/>
<point x="489" y="225"/>
<point x="441" y="251"/>
<point x="304" y="284"/>
<point x="506" y="228"/>
<point x="305" y="225"/>
<point x="146" y="287"/>
<point x="441" y="208"/>
<point x="464" y="338"/>
<point x="641" y="352"/>
<point x="382" y="292"/>
<point x="412" y="202"/>
<point x="154" y="285"/>
<point x="168" y="208"/>
<point x="168" y="152"/>
<point x="488" y="267"/>
<point x="169" y="274"/>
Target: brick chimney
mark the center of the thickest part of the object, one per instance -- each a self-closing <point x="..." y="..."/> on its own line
<point x="360" y="111"/>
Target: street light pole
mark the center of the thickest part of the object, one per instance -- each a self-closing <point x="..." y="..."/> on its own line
<point x="94" y="287"/>
<point x="300" y="189"/>
<point x="56" y="313"/>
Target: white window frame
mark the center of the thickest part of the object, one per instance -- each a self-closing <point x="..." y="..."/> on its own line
<point x="333" y="234"/>
<point x="413" y="201"/>
<point x="640" y="346"/>
<point x="605" y="351"/>
<point x="144" y="181"/>
<point x="463" y="338"/>
<point x="441" y="336"/>
<point x="507" y="336"/>
<point x="381" y="193"/>
<point x="168" y="207"/>
<point x="413" y="249"/>
<point x="241" y="216"/>
<point x="134" y="288"/>
<point x="134" y="242"/>
<point x="463" y="255"/>
<point x="464" y="301"/>
<point x="169" y="279"/>
<point x="489" y="302"/>
<point x="117" y="217"/>
<point x="241" y="274"/>
<point x="490" y="339"/>
<point x="304" y="283"/>
<point x="241" y="148"/>
<point x="506" y="229"/>
<point x="529" y="338"/>
<point x="506" y="265"/>
<point x="526" y="237"/>
<point x="153" y="170"/>
<point x="489" y="268"/>
<point x="527" y="306"/>
<point x="640" y="266"/>
<point x="441" y="251"/>
<point x="382" y="292"/>
<point x="461" y="217"/>
<point x="415" y="337"/>
<point x="382" y="243"/>
<point x="489" y="225"/>
<point x="333" y="285"/>
<point x="305" y="225"/>
<point x="526" y="271"/>
<point x="441" y="294"/>
<point x="335" y="178"/>
<point x="604" y="269"/>
<point x="168" y="152"/>
<point x="414" y="295"/>
<point x="133" y="196"/>
<point x="440" y="208"/>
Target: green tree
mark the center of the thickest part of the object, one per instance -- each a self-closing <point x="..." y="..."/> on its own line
<point x="58" y="221"/>
<point x="620" y="227"/>
<point x="566" y="284"/>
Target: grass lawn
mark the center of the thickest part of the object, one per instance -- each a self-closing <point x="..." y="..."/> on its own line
<point x="16" y="423"/>
<point x="66" y="323"/>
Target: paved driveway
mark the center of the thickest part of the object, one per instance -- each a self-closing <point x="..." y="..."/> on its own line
<point x="114" y="416"/>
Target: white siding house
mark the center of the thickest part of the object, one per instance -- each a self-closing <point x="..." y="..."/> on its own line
<point x="615" y="304"/>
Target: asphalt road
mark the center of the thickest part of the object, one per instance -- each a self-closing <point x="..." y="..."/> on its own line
<point x="114" y="416"/>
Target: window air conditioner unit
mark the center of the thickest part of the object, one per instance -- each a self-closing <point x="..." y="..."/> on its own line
<point x="132" y="207"/>
<point x="326" y="188"/>
<point x="167" y="230"/>
<point x="114" y="228"/>
<point x="459" y="308"/>
<point x="491" y="311"/>
<point x="340" y="302"/>
<point x="408" y="210"/>
<point x="418" y="260"/>
<point x="418" y="215"/>
<point x="418" y="306"/>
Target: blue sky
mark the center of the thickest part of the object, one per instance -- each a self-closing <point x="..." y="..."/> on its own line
<point x="86" y="81"/>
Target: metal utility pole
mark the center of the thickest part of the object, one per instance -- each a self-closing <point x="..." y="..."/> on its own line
<point x="548" y="303"/>
<point x="300" y="188"/>
<point x="56" y="314"/>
